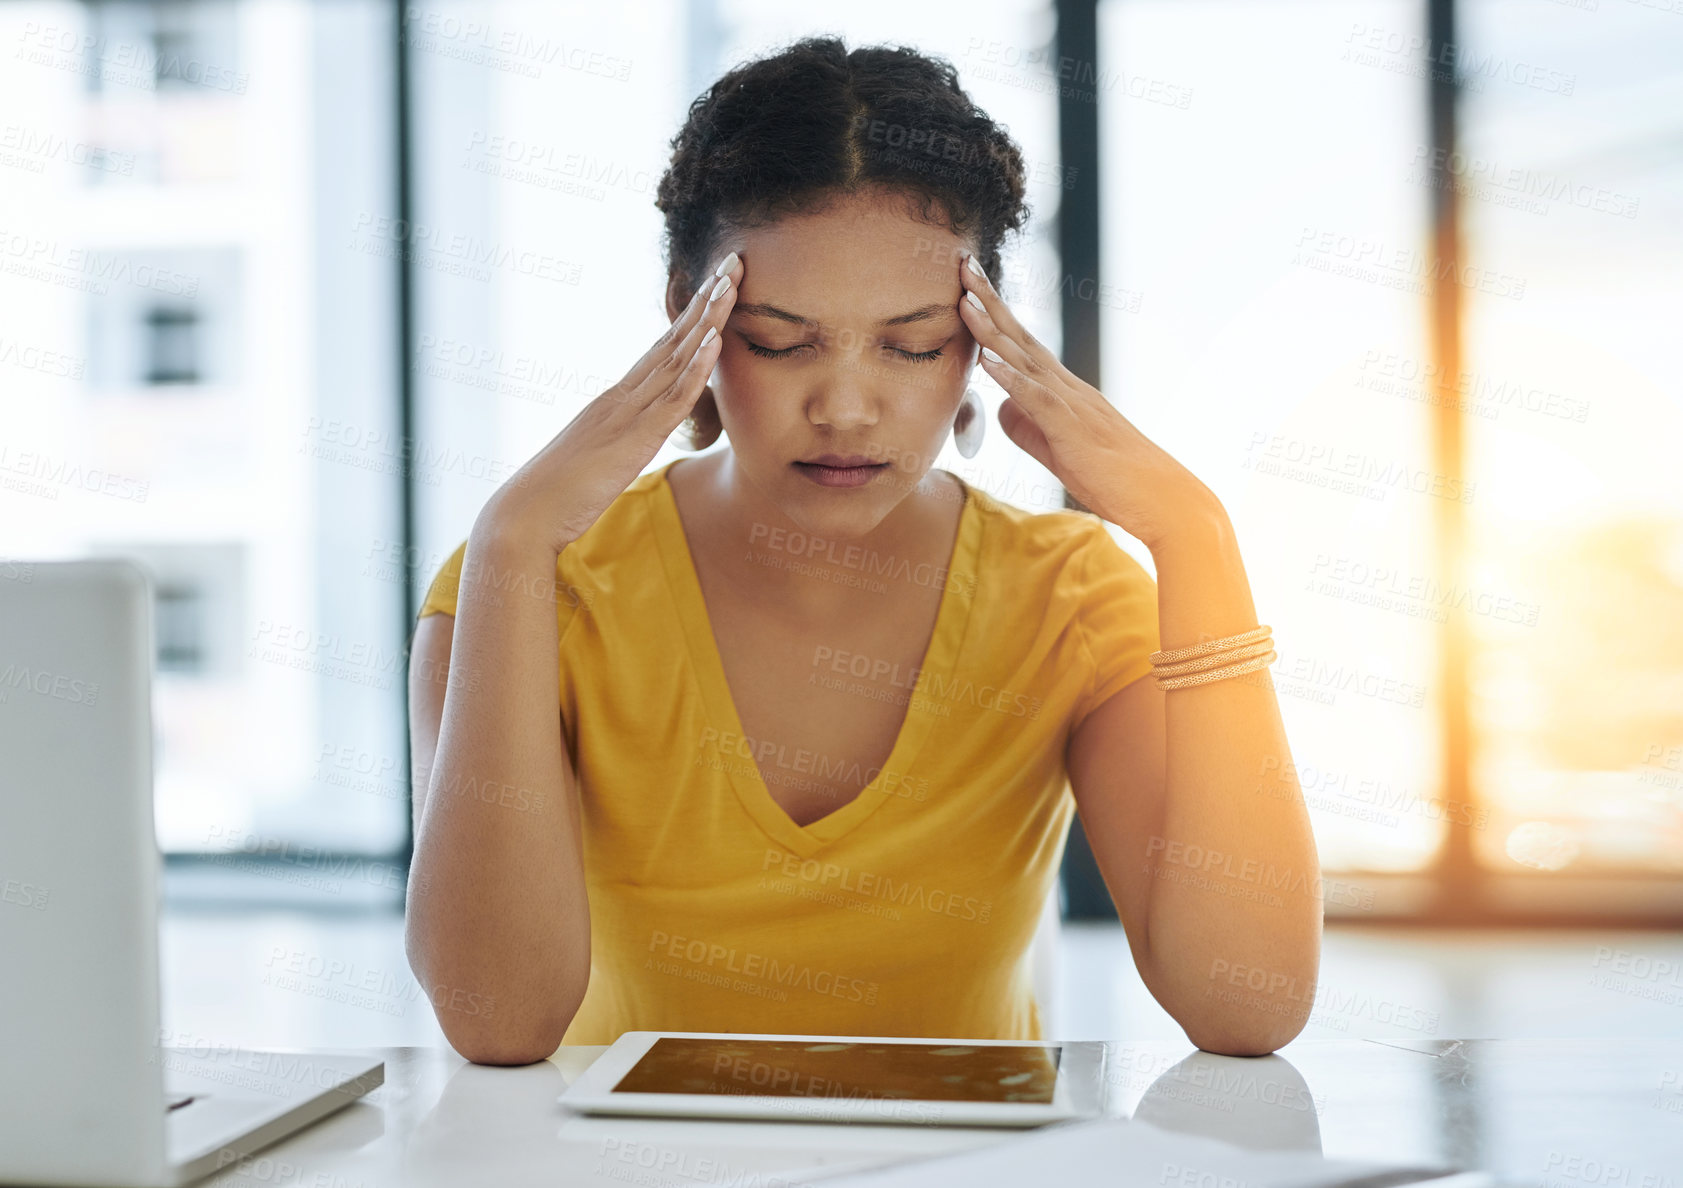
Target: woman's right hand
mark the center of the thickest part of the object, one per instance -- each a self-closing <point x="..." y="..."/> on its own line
<point x="567" y="485"/>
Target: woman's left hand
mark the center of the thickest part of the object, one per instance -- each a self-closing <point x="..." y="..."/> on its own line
<point x="1069" y="427"/>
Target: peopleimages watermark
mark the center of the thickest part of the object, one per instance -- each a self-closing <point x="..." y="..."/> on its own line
<point x="24" y="894"/>
<point x="379" y="449"/>
<point x="329" y="654"/>
<point x="1325" y="464"/>
<point x="479" y="43"/>
<point x="290" y="862"/>
<point x="345" y="765"/>
<point x="1352" y="579"/>
<point x="1670" y="1095"/>
<point x="392" y="561"/>
<point x="1041" y="68"/>
<point x="1214" y="1086"/>
<point x="1328" y="1004"/>
<point x="32" y="472"/>
<point x="535" y="163"/>
<point x="1485" y="396"/>
<point x="1322" y="681"/>
<point x="233" y="1064"/>
<point x="29" y="357"/>
<point x="31" y="149"/>
<point x="454" y="253"/>
<point x="1662" y="767"/>
<point x="1034" y="287"/>
<point x="937" y="152"/>
<point x="801" y="761"/>
<point x="1420" y="56"/>
<point x="1580" y="1169"/>
<point x="87" y="270"/>
<point x="502" y="373"/>
<point x="750" y="972"/>
<point x="1204" y="867"/>
<point x="56" y="686"/>
<point x="855" y="558"/>
<point x="648" y="1165"/>
<point x="1359" y="257"/>
<point x="1325" y="787"/>
<point x="1181" y="1175"/>
<point x="843" y="671"/>
<point x="369" y="987"/>
<point x="830" y="878"/>
<point x="1639" y="975"/>
<point x="1526" y="189"/>
<point x="139" y="64"/>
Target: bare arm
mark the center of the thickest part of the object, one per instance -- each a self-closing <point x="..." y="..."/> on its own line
<point x="1218" y="887"/>
<point x="498" y="925"/>
<point x="1191" y="803"/>
<point x="498" y="914"/>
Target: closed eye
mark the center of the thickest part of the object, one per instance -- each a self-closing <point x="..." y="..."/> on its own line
<point x="769" y="353"/>
<point x="772" y="353"/>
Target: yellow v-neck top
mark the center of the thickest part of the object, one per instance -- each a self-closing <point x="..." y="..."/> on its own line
<point x="907" y="911"/>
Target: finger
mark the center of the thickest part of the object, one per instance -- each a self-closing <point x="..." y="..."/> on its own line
<point x="1034" y="397"/>
<point x="685" y="322"/>
<point x="720" y="299"/>
<point x="669" y="411"/>
<point x="1022" y="349"/>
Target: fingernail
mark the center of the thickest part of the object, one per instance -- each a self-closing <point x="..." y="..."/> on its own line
<point x="724" y="283"/>
<point x="970" y="296"/>
<point x="975" y="267"/>
<point x="712" y="333"/>
<point x="992" y="355"/>
<point x="726" y="264"/>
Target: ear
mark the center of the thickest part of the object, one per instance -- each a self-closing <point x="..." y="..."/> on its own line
<point x="678" y="295"/>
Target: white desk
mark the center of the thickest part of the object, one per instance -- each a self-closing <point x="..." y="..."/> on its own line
<point x="1538" y="1113"/>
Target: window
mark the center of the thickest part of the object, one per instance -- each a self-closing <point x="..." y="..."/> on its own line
<point x="1249" y="182"/>
<point x="1270" y="195"/>
<point x="1569" y="185"/>
<point x="197" y="373"/>
<point x="172" y="345"/>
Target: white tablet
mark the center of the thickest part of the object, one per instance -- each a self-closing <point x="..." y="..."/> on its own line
<point x="839" y="1078"/>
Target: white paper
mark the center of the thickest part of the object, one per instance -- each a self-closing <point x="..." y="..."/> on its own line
<point x="1120" y="1151"/>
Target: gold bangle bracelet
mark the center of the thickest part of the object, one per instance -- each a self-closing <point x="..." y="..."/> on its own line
<point x="1219" y="674"/>
<point x="1220" y="659"/>
<point x="1211" y="647"/>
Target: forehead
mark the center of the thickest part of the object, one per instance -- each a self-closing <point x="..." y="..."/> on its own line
<point x="861" y="259"/>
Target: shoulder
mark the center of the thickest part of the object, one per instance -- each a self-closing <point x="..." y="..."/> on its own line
<point x="1014" y="537"/>
<point x="621" y="536"/>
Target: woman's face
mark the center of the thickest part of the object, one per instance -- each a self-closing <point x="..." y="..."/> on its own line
<point x="845" y="343"/>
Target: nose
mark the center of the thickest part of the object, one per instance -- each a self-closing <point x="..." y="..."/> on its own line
<point x="844" y="397"/>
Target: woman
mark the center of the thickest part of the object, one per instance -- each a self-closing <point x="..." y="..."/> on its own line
<point x="777" y="738"/>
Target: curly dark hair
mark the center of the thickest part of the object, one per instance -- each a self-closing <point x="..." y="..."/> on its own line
<point x="791" y="132"/>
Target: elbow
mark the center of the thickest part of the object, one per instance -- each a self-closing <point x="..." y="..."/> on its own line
<point x="500" y="1025"/>
<point x="507" y="1039"/>
<point x="1243" y="1037"/>
<point x="505" y="1050"/>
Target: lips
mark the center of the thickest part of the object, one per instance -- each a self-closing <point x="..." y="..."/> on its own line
<point x="843" y="460"/>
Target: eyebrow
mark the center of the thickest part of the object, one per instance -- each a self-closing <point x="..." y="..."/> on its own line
<point x="923" y="313"/>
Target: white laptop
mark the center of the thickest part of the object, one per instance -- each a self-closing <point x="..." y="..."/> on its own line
<point x="89" y="1092"/>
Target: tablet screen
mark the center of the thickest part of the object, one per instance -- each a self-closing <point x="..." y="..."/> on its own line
<point x="1023" y="1073"/>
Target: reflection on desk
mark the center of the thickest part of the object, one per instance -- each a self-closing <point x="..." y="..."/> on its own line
<point x="1539" y="1113"/>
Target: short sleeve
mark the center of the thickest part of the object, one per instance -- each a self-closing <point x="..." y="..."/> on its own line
<point x="446" y="584"/>
<point x="567" y="591"/>
<point x="1117" y="618"/>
